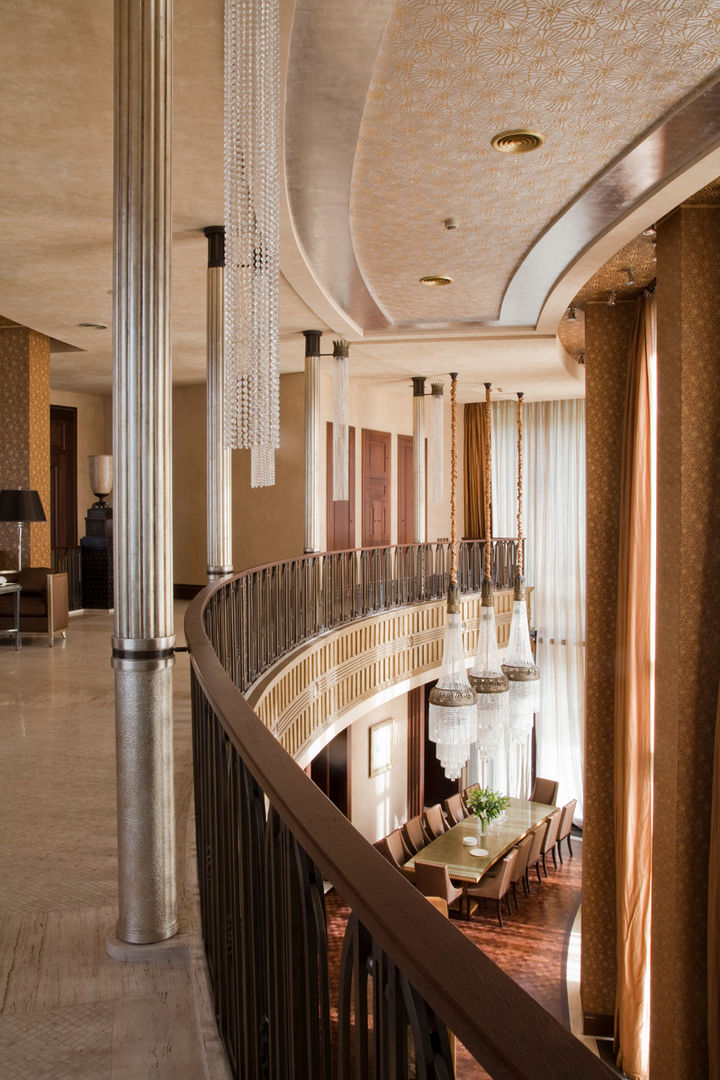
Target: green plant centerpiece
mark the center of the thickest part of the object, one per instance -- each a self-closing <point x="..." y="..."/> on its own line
<point x="486" y="805"/>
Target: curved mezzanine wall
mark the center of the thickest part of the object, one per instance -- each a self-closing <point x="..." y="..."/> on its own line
<point x="321" y="688"/>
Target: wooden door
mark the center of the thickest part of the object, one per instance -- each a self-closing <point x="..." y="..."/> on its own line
<point x="63" y="477"/>
<point x="341" y="514"/>
<point x="330" y="770"/>
<point x="406" y="490"/>
<point x="375" y="488"/>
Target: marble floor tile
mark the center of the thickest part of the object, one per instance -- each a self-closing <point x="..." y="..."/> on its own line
<point x="66" y="1008"/>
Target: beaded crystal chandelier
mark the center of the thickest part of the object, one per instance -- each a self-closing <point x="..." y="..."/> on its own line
<point x="519" y="665"/>
<point x="486" y="674"/>
<point x="252" y="117"/>
<point x="453" y="718"/>
<point x="341" y="418"/>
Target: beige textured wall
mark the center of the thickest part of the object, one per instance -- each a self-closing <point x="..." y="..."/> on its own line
<point x="607" y="341"/>
<point x="94" y="436"/>
<point x="379" y="803"/>
<point x="688" y="613"/>
<point x="25" y="436"/>
<point x="269" y="523"/>
<point x="189" y="469"/>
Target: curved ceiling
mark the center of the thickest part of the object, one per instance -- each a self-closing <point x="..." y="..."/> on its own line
<point x="389" y="109"/>
<point x="594" y="77"/>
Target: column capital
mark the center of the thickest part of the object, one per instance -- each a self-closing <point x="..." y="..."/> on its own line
<point x="216" y="244"/>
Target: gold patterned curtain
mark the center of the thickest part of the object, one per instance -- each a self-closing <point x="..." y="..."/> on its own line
<point x="714" y="916"/>
<point x="634" y="703"/>
<point x="474" y="470"/>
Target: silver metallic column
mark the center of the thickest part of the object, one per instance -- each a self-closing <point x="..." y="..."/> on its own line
<point x="144" y="639"/>
<point x="219" y="456"/>
<point x="419" y="533"/>
<point x="312" y="439"/>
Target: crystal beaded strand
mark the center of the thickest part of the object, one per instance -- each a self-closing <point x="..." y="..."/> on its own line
<point x="252" y="111"/>
<point x="341" y="419"/>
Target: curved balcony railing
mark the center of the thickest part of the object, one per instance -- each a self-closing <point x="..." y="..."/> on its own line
<point x="264" y="613"/>
<point x="267" y="840"/>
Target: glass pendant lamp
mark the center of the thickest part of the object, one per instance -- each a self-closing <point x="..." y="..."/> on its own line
<point x="453" y="702"/>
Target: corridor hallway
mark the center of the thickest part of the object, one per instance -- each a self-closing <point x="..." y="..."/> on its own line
<point x="67" y="1010"/>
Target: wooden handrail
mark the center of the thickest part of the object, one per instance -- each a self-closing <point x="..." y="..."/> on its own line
<point x="512" y="1036"/>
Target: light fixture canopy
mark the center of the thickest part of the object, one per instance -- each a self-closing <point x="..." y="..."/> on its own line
<point x="517" y="141"/>
<point x="436" y="281"/>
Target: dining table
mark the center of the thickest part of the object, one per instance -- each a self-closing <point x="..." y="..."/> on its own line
<point x="468" y="861"/>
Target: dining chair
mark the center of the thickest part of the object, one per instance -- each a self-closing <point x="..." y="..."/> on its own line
<point x="455" y="811"/>
<point x="549" y="840"/>
<point x="465" y="793"/>
<point x="434" y="821"/>
<point x="434" y="880"/>
<point x="520" y="869"/>
<point x="400" y="850"/>
<point x="565" y="828"/>
<point x="495" y="886"/>
<point x="394" y="852"/>
<point x="544" y="791"/>
<point x="535" y="851"/>
<point x="413" y="835"/>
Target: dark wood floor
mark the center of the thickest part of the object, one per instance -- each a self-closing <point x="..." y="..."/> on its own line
<point x="531" y="947"/>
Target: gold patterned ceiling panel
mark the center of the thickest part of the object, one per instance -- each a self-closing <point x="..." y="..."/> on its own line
<point x="592" y="75"/>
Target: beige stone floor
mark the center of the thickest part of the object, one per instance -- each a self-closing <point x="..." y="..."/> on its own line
<point x="67" y="1010"/>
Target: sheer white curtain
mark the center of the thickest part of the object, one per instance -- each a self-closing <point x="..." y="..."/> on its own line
<point x="554" y="525"/>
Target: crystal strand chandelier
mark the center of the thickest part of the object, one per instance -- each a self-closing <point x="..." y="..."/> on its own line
<point x="341" y="419"/>
<point x="252" y="115"/>
<point x="486" y="674"/>
<point x="453" y="716"/>
<point x="436" y="442"/>
<point x="519" y="665"/>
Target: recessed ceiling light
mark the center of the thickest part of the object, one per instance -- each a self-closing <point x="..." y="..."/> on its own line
<point x="517" y="141"/>
<point x="435" y="280"/>
<point x="93" y="325"/>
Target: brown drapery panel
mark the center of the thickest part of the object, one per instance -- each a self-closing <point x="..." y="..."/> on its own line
<point x="713" y="971"/>
<point x="634" y="707"/>
<point x="474" y="470"/>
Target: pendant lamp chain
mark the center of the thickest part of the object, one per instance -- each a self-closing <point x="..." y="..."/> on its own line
<point x="452" y="714"/>
<point x="488" y="486"/>
<point x="520" y="549"/>
<point x="519" y="665"/>
<point x="486" y="674"/>
<point x="453" y="479"/>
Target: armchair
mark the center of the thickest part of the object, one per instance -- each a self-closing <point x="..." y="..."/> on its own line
<point x="43" y="603"/>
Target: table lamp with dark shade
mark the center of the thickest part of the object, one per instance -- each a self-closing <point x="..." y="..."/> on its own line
<point x="20" y="504"/>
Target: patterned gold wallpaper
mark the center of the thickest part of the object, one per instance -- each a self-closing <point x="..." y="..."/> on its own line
<point x="25" y="436"/>
<point x="450" y="75"/>
<point x="608" y="331"/>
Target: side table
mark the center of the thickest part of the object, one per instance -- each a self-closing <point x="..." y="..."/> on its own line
<point x="15" y="590"/>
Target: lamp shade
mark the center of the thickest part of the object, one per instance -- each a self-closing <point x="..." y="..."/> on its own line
<point x="20" y="504"/>
<point x="100" y="467"/>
